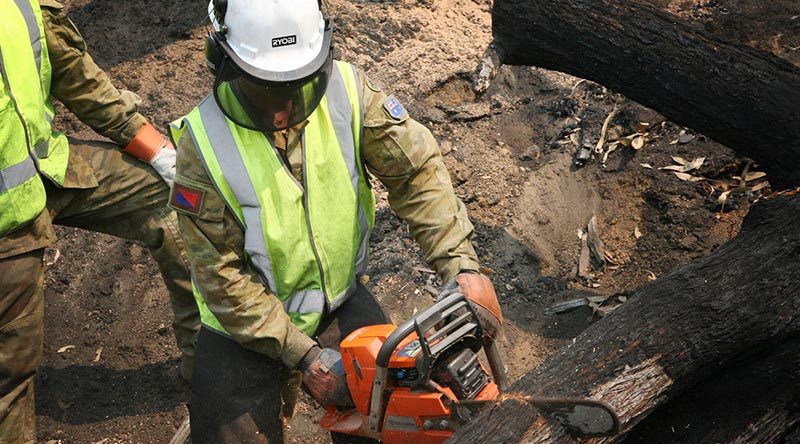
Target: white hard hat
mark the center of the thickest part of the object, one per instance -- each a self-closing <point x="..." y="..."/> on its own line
<point x="273" y="56"/>
<point x="273" y="36"/>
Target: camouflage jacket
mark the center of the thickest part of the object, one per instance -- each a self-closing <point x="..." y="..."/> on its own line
<point x="400" y="152"/>
<point x="82" y="86"/>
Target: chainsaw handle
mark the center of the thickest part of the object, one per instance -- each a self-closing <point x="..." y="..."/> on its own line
<point x="392" y="342"/>
<point x="421" y="323"/>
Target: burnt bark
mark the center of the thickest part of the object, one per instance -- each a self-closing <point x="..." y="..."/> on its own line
<point x="673" y="333"/>
<point x="757" y="399"/>
<point x="744" y="98"/>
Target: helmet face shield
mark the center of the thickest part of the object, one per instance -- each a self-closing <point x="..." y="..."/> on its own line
<point x="262" y="105"/>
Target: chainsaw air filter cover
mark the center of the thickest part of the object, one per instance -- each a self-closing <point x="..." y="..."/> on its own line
<point x="461" y="373"/>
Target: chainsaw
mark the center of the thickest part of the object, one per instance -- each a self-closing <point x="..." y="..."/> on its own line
<point x="420" y="382"/>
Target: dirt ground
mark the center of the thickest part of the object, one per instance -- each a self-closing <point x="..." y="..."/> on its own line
<point x="510" y="157"/>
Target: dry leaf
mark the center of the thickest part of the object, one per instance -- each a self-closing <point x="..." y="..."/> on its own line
<point x="637" y="142"/>
<point x="759" y="186"/>
<point x="754" y="175"/>
<point x="65" y="348"/>
<point x="651" y="276"/>
<point x="684" y="166"/>
<point x="680" y="160"/>
<point x="695" y="164"/>
<point x="646" y="165"/>
<point x="723" y="197"/>
<point x="97" y="355"/>
<point x="683" y="176"/>
<point x="596" y="299"/>
<point x="636" y="233"/>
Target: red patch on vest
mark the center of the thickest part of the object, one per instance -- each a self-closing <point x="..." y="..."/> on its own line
<point x="187" y="199"/>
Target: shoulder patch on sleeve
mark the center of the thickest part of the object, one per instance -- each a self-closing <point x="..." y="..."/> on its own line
<point x="393" y="107"/>
<point x="50" y="4"/>
<point x="187" y="199"/>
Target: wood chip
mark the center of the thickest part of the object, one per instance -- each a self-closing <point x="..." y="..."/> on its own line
<point x="596" y="246"/>
<point x="181" y="436"/>
<point x="56" y="257"/>
<point x="65" y="348"/>
<point x="97" y="355"/>
<point x="604" y="131"/>
<point x="584" y="260"/>
<point x="563" y="307"/>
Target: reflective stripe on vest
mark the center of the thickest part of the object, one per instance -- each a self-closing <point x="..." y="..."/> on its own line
<point x="33" y="31"/>
<point x="213" y="135"/>
<point x="16" y="175"/>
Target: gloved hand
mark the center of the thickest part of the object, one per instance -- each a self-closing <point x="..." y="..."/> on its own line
<point x="324" y="378"/>
<point x="164" y="162"/>
<point x="153" y="148"/>
<point x="479" y="291"/>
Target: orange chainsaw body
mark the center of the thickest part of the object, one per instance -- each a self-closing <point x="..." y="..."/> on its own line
<point x="412" y="414"/>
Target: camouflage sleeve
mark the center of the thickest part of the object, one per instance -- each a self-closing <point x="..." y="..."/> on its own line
<point x="245" y="307"/>
<point x="82" y="86"/>
<point x="403" y="154"/>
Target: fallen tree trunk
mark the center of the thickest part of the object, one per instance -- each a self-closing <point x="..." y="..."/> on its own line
<point x="671" y="334"/>
<point x="746" y="99"/>
<point x="758" y="401"/>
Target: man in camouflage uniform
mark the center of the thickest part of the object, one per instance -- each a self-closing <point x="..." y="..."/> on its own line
<point x="95" y="186"/>
<point x="274" y="205"/>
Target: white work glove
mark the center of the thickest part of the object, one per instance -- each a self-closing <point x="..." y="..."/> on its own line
<point x="151" y="147"/>
<point x="164" y="163"/>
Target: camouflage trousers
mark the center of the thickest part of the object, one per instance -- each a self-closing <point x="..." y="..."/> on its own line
<point x="115" y="194"/>
<point x="242" y="397"/>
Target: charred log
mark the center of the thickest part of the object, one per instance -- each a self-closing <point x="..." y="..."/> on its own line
<point x="746" y="99"/>
<point x="672" y="334"/>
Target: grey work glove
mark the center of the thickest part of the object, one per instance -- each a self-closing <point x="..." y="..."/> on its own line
<point x="324" y="378"/>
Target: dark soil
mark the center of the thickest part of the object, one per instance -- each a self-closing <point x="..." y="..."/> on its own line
<point x="509" y="158"/>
